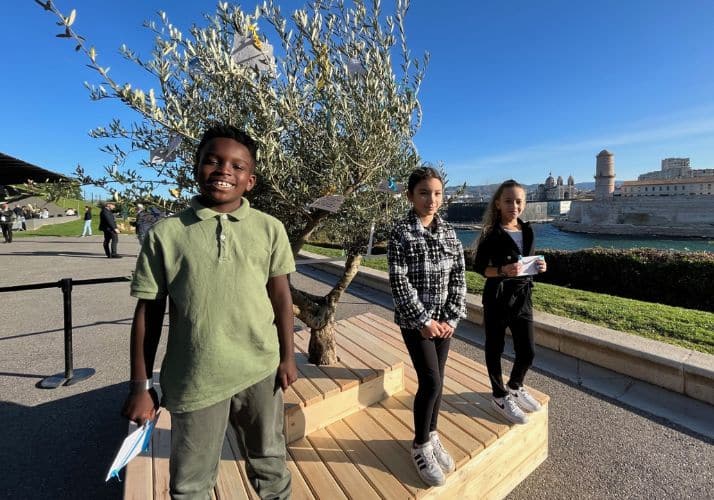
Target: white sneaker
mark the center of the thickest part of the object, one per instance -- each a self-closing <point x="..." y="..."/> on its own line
<point x="507" y="407"/>
<point x="524" y="400"/>
<point x="426" y="464"/>
<point x="442" y="455"/>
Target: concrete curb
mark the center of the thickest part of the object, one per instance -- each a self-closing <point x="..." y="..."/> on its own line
<point x="680" y="370"/>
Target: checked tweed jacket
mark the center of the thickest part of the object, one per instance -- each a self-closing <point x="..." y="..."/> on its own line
<point x="426" y="273"/>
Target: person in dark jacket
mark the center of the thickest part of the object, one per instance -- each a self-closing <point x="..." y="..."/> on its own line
<point x="7" y="217"/>
<point x="504" y="240"/>
<point x="145" y="219"/>
<point x="108" y="226"/>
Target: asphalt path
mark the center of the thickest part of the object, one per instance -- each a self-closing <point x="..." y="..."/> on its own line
<point x="58" y="443"/>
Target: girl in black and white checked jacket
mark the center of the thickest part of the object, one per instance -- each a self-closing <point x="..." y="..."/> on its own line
<point x="426" y="274"/>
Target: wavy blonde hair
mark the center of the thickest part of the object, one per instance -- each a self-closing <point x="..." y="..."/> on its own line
<point x="493" y="215"/>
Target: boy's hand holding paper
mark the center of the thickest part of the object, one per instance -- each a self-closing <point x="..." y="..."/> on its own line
<point x="135" y="443"/>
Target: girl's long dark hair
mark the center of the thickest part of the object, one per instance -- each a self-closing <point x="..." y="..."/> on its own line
<point x="493" y="215"/>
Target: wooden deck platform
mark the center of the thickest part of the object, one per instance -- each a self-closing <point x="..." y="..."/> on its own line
<point x="360" y="449"/>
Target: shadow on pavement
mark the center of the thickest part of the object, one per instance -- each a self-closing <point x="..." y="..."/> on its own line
<point x="62" y="449"/>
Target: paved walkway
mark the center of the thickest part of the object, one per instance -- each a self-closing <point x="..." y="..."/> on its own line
<point x="59" y="443"/>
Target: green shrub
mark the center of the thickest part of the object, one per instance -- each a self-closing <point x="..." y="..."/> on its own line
<point x="681" y="279"/>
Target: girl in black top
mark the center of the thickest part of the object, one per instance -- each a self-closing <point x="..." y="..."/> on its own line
<point x="507" y="297"/>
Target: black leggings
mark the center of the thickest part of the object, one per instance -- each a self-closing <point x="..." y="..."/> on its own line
<point x="521" y="327"/>
<point x="429" y="359"/>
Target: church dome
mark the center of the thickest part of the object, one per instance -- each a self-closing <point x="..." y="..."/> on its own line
<point x="550" y="182"/>
<point x="571" y="181"/>
<point x="560" y="180"/>
<point x="605" y="152"/>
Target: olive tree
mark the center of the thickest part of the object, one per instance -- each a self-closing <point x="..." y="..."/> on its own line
<point x="333" y="114"/>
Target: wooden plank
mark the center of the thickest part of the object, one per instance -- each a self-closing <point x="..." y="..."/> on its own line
<point x="466" y="402"/>
<point x="161" y="443"/>
<point x="315" y="472"/>
<point x="139" y="477"/>
<point x="339" y="374"/>
<point x="369" y="464"/>
<point x="324" y="384"/>
<point x="291" y="400"/>
<point x="356" y="366"/>
<point x="232" y="438"/>
<point x="403" y="432"/>
<point x="489" y="417"/>
<point x="349" y="343"/>
<point x="393" y="329"/>
<point x="229" y="484"/>
<point x="468" y="367"/>
<point x="349" y="477"/>
<point x="479" y="409"/>
<point x="463" y="429"/>
<point x="459" y="443"/>
<point x="299" y="488"/>
<point x="500" y="467"/>
<point x="314" y="417"/>
<point x="392" y="454"/>
<point x="362" y="335"/>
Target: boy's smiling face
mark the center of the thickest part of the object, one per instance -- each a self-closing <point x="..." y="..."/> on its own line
<point x="224" y="172"/>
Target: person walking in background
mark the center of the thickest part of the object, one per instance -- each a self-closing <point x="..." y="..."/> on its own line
<point x="108" y="225"/>
<point x="145" y="219"/>
<point x="7" y="217"/>
<point x="224" y="267"/>
<point x="427" y="277"/>
<point x="87" y="229"/>
<point x="507" y="297"/>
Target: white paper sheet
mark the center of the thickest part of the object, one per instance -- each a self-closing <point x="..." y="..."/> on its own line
<point x="135" y="443"/>
<point x="530" y="265"/>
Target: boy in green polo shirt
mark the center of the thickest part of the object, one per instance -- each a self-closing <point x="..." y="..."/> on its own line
<point x="224" y="268"/>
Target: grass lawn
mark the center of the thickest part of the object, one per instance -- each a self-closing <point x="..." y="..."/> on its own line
<point x="73" y="228"/>
<point x="687" y="328"/>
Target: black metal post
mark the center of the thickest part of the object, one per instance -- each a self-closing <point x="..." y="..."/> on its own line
<point x="70" y="375"/>
<point x="67" y="300"/>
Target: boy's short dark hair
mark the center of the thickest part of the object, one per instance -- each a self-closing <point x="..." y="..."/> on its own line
<point x="420" y="174"/>
<point x="229" y="132"/>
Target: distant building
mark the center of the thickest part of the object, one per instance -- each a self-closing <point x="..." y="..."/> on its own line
<point x="554" y="190"/>
<point x="682" y="186"/>
<point x="637" y="208"/>
<point x="676" y="178"/>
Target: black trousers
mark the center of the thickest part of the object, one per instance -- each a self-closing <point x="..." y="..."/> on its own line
<point x="113" y="237"/>
<point x="7" y="232"/>
<point x="520" y="322"/>
<point x="429" y="359"/>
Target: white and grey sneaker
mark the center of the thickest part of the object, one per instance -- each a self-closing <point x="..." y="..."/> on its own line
<point x="524" y="400"/>
<point x="426" y="464"/>
<point x="507" y="407"/>
<point x="442" y="455"/>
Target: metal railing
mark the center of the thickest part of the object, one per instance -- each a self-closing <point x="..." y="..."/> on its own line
<point x="71" y="375"/>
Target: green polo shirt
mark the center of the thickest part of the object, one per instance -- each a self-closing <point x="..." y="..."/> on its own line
<point x="214" y="268"/>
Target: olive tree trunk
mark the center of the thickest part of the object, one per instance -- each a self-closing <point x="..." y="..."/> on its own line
<point x="318" y="313"/>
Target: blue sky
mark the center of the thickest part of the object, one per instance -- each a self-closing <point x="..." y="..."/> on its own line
<point x="514" y="88"/>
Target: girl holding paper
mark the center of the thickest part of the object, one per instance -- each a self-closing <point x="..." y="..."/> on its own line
<point x="507" y="297"/>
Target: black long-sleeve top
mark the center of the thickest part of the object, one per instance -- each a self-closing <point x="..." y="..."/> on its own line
<point x="499" y="249"/>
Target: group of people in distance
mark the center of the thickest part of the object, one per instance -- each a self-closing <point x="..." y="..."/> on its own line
<point x="108" y="225"/>
<point x="224" y="268"/>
